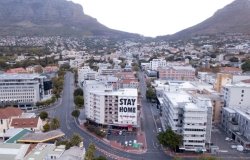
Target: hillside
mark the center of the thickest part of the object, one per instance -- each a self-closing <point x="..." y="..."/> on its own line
<point x="49" y="18"/>
<point x="233" y="18"/>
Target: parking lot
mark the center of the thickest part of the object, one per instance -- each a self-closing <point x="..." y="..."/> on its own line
<point x="125" y="138"/>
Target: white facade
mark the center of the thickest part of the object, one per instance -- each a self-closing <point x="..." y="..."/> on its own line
<point x="191" y="117"/>
<point x="86" y="73"/>
<point x="105" y="106"/>
<point x="237" y="95"/>
<point x="21" y="89"/>
<point x="156" y="63"/>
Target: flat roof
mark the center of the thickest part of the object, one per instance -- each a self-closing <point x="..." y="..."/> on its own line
<point x="11" y="76"/>
<point x="44" y="149"/>
<point x="41" y="137"/>
<point x="121" y="92"/>
<point x="193" y="107"/>
<point x="13" y="151"/>
<point x="16" y="137"/>
<point x="12" y="132"/>
<point x="178" y="97"/>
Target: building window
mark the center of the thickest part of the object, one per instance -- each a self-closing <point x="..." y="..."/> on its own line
<point x="242" y="91"/>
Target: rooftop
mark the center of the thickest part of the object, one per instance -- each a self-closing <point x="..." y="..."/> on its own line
<point x="8" y="76"/>
<point x="178" y="97"/>
<point x="24" y="122"/>
<point x="41" y="137"/>
<point x="8" y="112"/>
<point x="13" y="151"/>
<point x="19" y="135"/>
<point x="122" y="92"/>
<point x="42" y="150"/>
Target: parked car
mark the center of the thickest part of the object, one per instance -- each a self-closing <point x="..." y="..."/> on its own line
<point x="120" y="132"/>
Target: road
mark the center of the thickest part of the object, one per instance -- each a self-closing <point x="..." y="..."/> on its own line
<point x="69" y="127"/>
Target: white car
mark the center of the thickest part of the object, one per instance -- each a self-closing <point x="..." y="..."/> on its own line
<point x="120" y="132"/>
<point x="130" y="143"/>
<point x="159" y="130"/>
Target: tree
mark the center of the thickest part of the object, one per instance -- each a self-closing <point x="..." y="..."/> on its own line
<point x="89" y="155"/>
<point x="46" y="127"/>
<point x="136" y="68"/>
<point x="43" y="115"/>
<point x="234" y="59"/>
<point x="170" y="139"/>
<point x="100" y="158"/>
<point x="75" y="113"/>
<point x="75" y="140"/>
<point x="79" y="101"/>
<point x="78" y="92"/>
<point x="246" y="66"/>
<point x="150" y="94"/>
<point x="54" y="124"/>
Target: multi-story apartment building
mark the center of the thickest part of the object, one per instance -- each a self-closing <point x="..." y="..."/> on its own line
<point x="237" y="95"/>
<point x="177" y="73"/>
<point x="235" y="118"/>
<point x="189" y="116"/>
<point x="106" y="106"/>
<point x="23" y="90"/>
<point x="156" y="63"/>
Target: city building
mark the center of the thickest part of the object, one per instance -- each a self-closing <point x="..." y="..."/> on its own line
<point x="231" y="70"/>
<point x="188" y="116"/>
<point x="46" y="151"/>
<point x="177" y="73"/>
<point x="13" y="151"/>
<point x="237" y="95"/>
<point x="157" y="63"/>
<point x="235" y="122"/>
<point x="33" y="124"/>
<point x="221" y="80"/>
<point x="106" y="106"/>
<point x="6" y="115"/>
<point x="23" y="90"/>
<point x="86" y="73"/>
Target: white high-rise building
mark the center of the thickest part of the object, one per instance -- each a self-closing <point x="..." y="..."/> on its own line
<point x="156" y="63"/>
<point x="106" y="106"/>
<point x="190" y="117"/>
<point x="23" y="90"/>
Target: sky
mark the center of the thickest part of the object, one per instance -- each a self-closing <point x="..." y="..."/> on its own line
<point x="151" y="17"/>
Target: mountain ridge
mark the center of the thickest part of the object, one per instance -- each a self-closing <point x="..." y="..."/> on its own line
<point x="233" y="18"/>
<point x="50" y="17"/>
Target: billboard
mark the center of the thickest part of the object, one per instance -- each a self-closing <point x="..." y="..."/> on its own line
<point x="127" y="110"/>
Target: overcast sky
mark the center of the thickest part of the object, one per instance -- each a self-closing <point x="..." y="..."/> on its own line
<point x="151" y="17"/>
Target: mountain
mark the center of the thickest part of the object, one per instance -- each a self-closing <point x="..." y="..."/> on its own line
<point x="233" y="18"/>
<point x="49" y="18"/>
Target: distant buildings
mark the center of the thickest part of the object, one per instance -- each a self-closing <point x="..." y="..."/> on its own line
<point x="177" y="73"/>
<point x="156" y="63"/>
